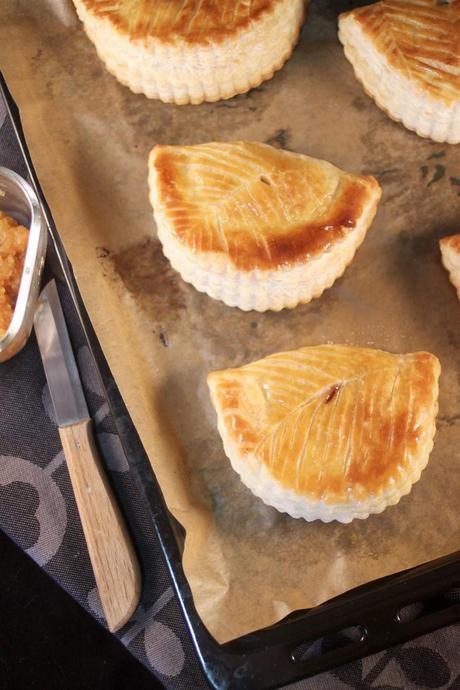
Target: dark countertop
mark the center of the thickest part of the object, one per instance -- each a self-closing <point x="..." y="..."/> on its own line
<point x="48" y="642"/>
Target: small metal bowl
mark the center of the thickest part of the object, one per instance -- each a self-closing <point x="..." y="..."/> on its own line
<point x="19" y="201"/>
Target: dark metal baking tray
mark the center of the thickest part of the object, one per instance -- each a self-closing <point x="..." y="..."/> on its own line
<point x="360" y="622"/>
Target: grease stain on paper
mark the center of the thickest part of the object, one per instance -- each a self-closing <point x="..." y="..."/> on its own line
<point x="149" y="277"/>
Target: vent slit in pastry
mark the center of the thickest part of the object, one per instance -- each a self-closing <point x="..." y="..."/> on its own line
<point x="254" y="226"/>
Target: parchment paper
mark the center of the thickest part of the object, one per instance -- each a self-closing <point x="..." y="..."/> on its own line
<point x="247" y="565"/>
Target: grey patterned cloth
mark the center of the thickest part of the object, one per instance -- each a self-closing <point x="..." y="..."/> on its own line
<point x="37" y="510"/>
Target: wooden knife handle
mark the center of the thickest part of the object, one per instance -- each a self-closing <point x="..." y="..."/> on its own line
<point x="110" y="548"/>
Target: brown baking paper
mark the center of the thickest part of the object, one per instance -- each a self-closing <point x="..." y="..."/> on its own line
<point x="248" y="565"/>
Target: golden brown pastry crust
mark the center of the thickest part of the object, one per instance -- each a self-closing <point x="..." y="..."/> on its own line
<point x="261" y="187"/>
<point x="194" y="21"/>
<point x="452" y="241"/>
<point x="420" y="39"/>
<point x="385" y="409"/>
<point x="450" y="256"/>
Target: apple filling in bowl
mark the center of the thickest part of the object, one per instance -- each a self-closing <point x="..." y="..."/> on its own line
<point x="13" y="244"/>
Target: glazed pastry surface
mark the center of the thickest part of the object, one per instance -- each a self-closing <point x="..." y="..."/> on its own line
<point x="406" y="53"/>
<point x="450" y="254"/>
<point x="330" y="432"/>
<point x="255" y="226"/>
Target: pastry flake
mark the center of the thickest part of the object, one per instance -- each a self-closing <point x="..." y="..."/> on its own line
<point x="254" y="226"/>
<point x="330" y="432"/>
<point x="450" y="256"/>
<point x="406" y="54"/>
<point x="189" y="51"/>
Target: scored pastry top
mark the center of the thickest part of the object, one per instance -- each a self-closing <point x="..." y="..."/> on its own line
<point x="420" y="38"/>
<point x="333" y="422"/>
<point x="261" y="207"/>
<point x="195" y="21"/>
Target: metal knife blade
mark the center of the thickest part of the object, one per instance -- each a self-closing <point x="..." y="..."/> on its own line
<point x="58" y="359"/>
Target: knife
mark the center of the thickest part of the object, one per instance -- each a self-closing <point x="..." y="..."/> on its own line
<point x="111" y="552"/>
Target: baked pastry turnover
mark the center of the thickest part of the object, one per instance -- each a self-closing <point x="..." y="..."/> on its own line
<point x="450" y="254"/>
<point x="189" y="51"/>
<point x="406" y="54"/>
<point x="256" y="227"/>
<point x="329" y="432"/>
